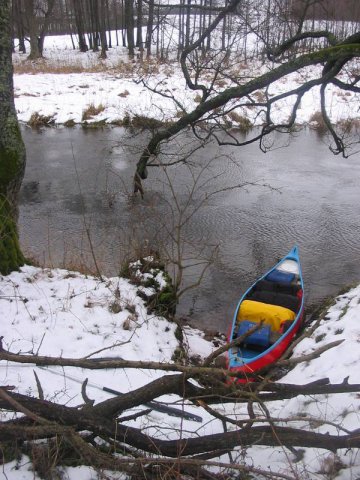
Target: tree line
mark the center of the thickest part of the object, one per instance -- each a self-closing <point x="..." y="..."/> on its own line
<point x="137" y="24"/>
<point x="151" y="27"/>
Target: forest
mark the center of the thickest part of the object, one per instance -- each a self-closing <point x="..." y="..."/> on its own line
<point x="140" y="25"/>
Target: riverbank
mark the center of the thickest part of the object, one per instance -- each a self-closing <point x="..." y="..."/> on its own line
<point x="68" y="87"/>
<point x="61" y="313"/>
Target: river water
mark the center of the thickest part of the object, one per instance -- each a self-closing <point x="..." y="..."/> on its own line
<point x="78" y="185"/>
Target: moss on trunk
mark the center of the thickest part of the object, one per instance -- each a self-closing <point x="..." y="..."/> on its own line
<point x="12" y="152"/>
<point x="11" y="257"/>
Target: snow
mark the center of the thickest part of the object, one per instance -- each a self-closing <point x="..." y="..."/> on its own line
<point x="60" y="313"/>
<point x="115" y="86"/>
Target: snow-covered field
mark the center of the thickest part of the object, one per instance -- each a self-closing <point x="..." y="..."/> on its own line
<point x="113" y="86"/>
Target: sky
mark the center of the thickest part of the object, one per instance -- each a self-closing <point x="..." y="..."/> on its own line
<point x="61" y="313"/>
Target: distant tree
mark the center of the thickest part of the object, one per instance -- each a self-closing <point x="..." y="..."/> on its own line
<point x="12" y="152"/>
<point x="129" y="24"/>
<point x="37" y="17"/>
<point x="149" y="27"/>
<point x="139" y="24"/>
<point x="79" y="15"/>
<point x="94" y="24"/>
<point x="288" y="45"/>
<point x="102" y="28"/>
<point x="18" y="21"/>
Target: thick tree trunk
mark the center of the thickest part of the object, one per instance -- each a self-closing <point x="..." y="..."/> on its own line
<point x="44" y="28"/>
<point x="32" y="30"/>
<point x="12" y="152"/>
<point x="129" y="23"/>
<point x="79" y="22"/>
<point x="102" y="24"/>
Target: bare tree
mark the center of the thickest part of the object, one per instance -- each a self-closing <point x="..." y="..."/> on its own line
<point x="37" y="17"/>
<point x="79" y="14"/>
<point x="18" y="21"/>
<point x="284" y="54"/>
<point x="129" y="24"/>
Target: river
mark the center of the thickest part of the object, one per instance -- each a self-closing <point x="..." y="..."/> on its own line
<point x="78" y="184"/>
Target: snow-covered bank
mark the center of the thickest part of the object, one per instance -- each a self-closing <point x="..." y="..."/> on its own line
<point x="114" y="88"/>
<point x="62" y="313"/>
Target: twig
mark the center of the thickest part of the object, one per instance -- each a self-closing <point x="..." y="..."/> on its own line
<point x="87" y="400"/>
<point x="233" y="343"/>
<point x="39" y="387"/>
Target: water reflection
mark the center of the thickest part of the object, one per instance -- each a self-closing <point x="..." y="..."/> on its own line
<point x="81" y="180"/>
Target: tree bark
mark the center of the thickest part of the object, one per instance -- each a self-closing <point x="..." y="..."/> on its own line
<point x="106" y="427"/>
<point x="149" y="28"/>
<point x="79" y="21"/>
<point x="139" y="24"/>
<point x="102" y="28"/>
<point x="12" y="152"/>
<point x="32" y="30"/>
<point x="129" y="24"/>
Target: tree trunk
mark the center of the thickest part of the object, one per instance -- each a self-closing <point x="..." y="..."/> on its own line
<point x="139" y="24"/>
<point x="129" y="24"/>
<point x="45" y="24"/>
<point x="19" y="24"/>
<point x="12" y="152"/>
<point x="79" y="22"/>
<point x="32" y="30"/>
<point x="102" y="29"/>
<point x="149" y="28"/>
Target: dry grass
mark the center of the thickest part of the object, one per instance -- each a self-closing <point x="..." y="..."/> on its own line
<point x="348" y="126"/>
<point x="92" y="111"/>
<point x="44" y="66"/>
<point x="317" y="123"/>
<point x="38" y="120"/>
<point x="243" y="124"/>
<point x="95" y="65"/>
<point x="141" y="122"/>
<point x="124" y="94"/>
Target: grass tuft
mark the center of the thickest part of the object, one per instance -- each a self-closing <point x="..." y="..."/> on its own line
<point x="92" y="111"/>
<point x="38" y="120"/>
<point x="317" y="123"/>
